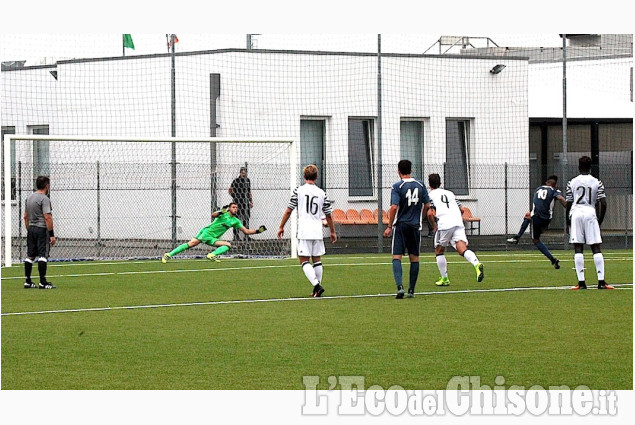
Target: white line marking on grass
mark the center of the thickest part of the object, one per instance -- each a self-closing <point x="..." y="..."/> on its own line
<point x="279" y="266"/>
<point x="482" y="254"/>
<point x="336" y="297"/>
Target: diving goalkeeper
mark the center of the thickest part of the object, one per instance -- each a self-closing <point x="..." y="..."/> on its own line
<point x="224" y="220"/>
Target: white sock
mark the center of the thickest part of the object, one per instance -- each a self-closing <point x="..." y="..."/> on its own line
<point x="317" y="267"/>
<point x="578" y="259"/>
<point x="310" y="273"/>
<point x="470" y="256"/>
<point x="442" y="263"/>
<point x="598" y="259"/>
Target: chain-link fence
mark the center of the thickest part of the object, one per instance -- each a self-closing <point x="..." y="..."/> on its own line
<point x="487" y="117"/>
<point x="108" y="210"/>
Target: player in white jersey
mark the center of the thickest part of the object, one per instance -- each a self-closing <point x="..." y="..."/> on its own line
<point x="312" y="204"/>
<point x="450" y="230"/>
<point x="583" y="195"/>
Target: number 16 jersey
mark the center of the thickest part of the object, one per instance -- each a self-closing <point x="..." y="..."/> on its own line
<point x="311" y="203"/>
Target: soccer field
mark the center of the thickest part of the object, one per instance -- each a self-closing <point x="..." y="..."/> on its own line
<point x="249" y="324"/>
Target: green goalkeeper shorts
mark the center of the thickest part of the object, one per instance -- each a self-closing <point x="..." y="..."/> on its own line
<point x="205" y="236"/>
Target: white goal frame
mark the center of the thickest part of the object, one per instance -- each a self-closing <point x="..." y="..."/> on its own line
<point x="6" y="176"/>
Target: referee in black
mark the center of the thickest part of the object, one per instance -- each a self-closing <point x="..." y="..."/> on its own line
<point x="40" y="236"/>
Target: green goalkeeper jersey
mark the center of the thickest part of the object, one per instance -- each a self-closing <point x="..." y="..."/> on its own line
<point x="218" y="227"/>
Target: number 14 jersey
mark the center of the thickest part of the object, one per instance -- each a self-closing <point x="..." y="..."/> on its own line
<point x="410" y="195"/>
<point x="312" y="204"/>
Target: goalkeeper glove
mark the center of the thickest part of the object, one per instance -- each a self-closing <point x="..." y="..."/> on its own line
<point x="224" y="209"/>
<point x="261" y="229"/>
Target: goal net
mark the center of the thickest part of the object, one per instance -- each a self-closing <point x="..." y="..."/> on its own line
<point x="127" y="198"/>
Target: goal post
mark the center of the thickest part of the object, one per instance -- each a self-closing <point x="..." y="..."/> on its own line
<point x="138" y="197"/>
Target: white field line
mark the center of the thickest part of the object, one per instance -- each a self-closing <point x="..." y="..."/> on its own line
<point x="514" y="254"/>
<point x="279" y="266"/>
<point x="337" y="297"/>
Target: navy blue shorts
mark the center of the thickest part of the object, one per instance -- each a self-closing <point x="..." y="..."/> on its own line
<point x="37" y="242"/>
<point x="538" y="225"/>
<point x="406" y="238"/>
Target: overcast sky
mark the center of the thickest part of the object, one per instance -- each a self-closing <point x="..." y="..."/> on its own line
<point x="35" y="47"/>
<point x="75" y="29"/>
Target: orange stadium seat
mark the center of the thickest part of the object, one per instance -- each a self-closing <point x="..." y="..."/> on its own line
<point x="368" y="216"/>
<point x="471" y="223"/>
<point x="353" y="215"/>
<point x="384" y="216"/>
<point x="339" y="216"/>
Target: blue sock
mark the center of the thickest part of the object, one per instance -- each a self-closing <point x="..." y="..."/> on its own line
<point x="523" y="228"/>
<point x="542" y="248"/>
<point x="396" y="271"/>
<point x="414" y="274"/>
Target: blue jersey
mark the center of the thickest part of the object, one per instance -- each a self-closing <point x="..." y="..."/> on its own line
<point x="544" y="198"/>
<point x="409" y="195"/>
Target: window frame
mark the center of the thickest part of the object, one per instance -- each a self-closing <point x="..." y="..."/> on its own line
<point x="466" y="163"/>
<point x="368" y="127"/>
<point x="40" y="150"/>
<point x="322" y="168"/>
<point x="9" y="129"/>
<point x="423" y="124"/>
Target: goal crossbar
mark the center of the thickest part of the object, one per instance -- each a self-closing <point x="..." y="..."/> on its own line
<point x="6" y="175"/>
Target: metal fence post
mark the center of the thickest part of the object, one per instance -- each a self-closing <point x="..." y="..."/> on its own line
<point x="98" y="210"/>
<point x="19" y="191"/>
<point x="173" y="115"/>
<point x="379" y="153"/>
<point x="506" y="201"/>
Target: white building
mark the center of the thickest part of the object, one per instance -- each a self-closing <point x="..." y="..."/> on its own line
<point x="435" y="110"/>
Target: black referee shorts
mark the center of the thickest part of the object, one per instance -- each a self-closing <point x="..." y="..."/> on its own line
<point x="37" y="242"/>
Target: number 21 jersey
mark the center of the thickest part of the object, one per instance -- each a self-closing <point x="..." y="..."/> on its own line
<point x="583" y="192"/>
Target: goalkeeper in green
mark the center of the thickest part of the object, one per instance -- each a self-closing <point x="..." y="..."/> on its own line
<point x="224" y="220"/>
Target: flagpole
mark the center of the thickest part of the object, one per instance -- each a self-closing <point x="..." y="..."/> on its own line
<point x="123" y="44"/>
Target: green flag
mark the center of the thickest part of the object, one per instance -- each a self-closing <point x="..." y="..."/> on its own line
<point x="127" y="41"/>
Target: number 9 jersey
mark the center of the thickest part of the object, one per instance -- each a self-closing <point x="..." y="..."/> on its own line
<point x="311" y="203"/>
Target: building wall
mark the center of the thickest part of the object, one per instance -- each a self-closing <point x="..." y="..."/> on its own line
<point x="595" y="89"/>
<point x="265" y="94"/>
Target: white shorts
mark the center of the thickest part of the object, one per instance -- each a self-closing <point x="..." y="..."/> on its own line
<point x="450" y="236"/>
<point x="584" y="228"/>
<point x="310" y="247"/>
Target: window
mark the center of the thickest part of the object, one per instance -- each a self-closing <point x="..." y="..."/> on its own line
<point x="41" y="159"/>
<point x="9" y="130"/>
<point x="360" y="157"/>
<point x="312" y="147"/>
<point x="411" y="137"/>
<point x="456" y="170"/>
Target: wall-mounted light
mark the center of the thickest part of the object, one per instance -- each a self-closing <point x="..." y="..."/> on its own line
<point x="497" y="69"/>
